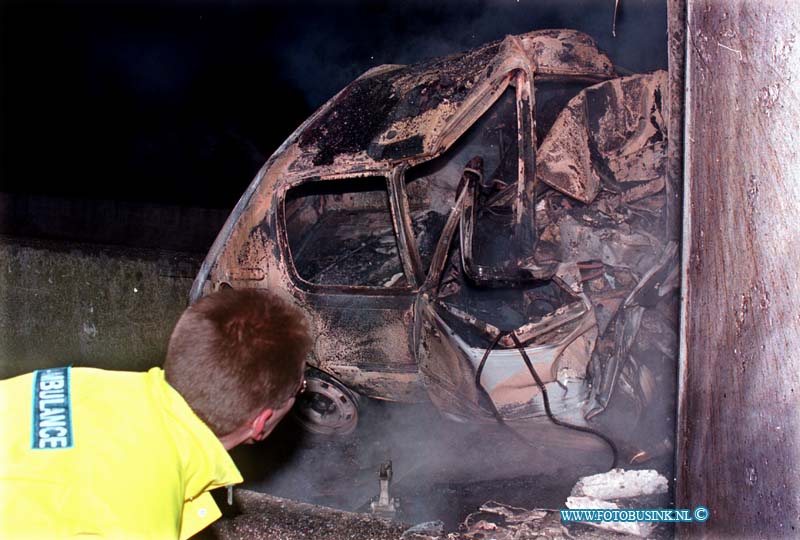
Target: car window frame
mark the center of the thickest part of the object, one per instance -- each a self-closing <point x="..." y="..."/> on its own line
<point x="406" y="253"/>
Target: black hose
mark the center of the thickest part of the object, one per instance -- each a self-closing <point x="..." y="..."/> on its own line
<point x="545" y="397"/>
<point x="478" y="374"/>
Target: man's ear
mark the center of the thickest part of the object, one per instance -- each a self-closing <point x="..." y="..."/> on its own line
<point x="258" y="424"/>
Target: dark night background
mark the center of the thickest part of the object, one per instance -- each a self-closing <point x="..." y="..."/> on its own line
<point x="179" y="103"/>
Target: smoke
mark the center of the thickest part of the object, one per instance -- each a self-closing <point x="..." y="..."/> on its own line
<point x="335" y="42"/>
<point x="442" y="469"/>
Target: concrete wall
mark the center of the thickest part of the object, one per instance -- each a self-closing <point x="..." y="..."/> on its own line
<point x="130" y="224"/>
<point x="739" y="434"/>
<point x="85" y="305"/>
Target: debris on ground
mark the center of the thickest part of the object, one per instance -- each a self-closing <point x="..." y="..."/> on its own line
<point x="264" y="517"/>
<point x="258" y="516"/>
<point x="498" y="521"/>
<point x="615" y="489"/>
<point x="627" y="528"/>
<point x="427" y="529"/>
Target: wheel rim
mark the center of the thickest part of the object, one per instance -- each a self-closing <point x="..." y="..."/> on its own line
<point x="326" y="407"/>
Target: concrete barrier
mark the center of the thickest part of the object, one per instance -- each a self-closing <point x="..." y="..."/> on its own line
<point x="87" y="305"/>
<point x="121" y="223"/>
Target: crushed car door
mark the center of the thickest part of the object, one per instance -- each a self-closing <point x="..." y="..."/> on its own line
<point x="357" y="283"/>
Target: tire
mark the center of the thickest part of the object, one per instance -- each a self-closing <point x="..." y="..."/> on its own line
<point x="327" y="408"/>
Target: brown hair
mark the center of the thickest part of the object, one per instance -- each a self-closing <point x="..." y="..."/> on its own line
<point x="235" y="352"/>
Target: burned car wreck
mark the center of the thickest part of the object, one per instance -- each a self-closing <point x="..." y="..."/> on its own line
<point x="484" y="230"/>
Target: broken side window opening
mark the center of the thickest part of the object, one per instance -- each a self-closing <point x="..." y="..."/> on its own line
<point x="432" y="191"/>
<point x="341" y="233"/>
<point x="495" y="138"/>
<point x="432" y="186"/>
<point x="510" y="169"/>
<point x="498" y="227"/>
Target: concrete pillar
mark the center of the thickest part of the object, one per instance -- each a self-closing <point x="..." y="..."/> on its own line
<point x="739" y="406"/>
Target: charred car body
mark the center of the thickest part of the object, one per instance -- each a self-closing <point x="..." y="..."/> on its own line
<point x="432" y="220"/>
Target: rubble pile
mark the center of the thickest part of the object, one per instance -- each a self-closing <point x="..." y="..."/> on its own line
<point x="615" y="489"/>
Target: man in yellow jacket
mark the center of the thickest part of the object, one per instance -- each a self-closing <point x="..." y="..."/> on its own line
<point x="88" y="452"/>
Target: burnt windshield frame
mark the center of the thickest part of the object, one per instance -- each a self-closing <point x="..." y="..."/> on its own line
<point x="401" y="216"/>
<point x="503" y="94"/>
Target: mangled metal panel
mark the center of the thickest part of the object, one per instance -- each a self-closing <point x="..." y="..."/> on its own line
<point x="417" y="309"/>
<point x="395" y="113"/>
<point x="613" y="136"/>
<point x="611" y="141"/>
<point x="609" y="251"/>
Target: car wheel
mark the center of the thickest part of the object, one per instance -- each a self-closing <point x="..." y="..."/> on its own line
<point x="327" y="407"/>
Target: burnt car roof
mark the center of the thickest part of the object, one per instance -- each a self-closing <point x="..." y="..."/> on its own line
<point x="393" y="113"/>
<point x="396" y="113"/>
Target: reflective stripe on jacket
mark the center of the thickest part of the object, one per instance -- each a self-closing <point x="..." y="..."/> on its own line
<point x="87" y="452"/>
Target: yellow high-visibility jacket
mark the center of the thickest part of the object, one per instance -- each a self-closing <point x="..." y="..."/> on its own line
<point x="88" y="452"/>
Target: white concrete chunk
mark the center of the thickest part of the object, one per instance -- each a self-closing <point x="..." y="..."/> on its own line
<point x="634" y="528"/>
<point x="621" y="484"/>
